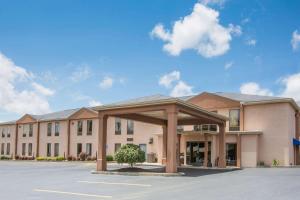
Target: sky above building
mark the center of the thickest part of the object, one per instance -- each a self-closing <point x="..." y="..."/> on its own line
<point x="58" y="55"/>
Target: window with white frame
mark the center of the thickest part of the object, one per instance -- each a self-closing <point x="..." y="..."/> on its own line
<point x="57" y="128"/>
<point x="89" y="127"/>
<point x="79" y="127"/>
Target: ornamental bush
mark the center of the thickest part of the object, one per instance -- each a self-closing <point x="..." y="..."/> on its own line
<point x="130" y="154"/>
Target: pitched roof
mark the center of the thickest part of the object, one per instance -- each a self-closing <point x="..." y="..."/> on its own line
<point x="8" y="123"/>
<point x="144" y="99"/>
<point x="247" y="97"/>
<point x="56" y="115"/>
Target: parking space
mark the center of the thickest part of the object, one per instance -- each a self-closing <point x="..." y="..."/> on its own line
<point x="47" y="180"/>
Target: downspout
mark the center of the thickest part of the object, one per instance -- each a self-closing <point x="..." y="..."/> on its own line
<point x="38" y="140"/>
<point x="68" y="139"/>
<point x="297" y="134"/>
<point x="16" y="140"/>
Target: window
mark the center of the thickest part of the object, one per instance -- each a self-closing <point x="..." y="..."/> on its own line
<point x="118" y="126"/>
<point x="30" y="149"/>
<point x="231" y="154"/>
<point x="2" y="149"/>
<point x="129" y="127"/>
<point x="79" y="128"/>
<point x="7" y="148"/>
<point x="197" y="128"/>
<point x="89" y="149"/>
<point x="89" y="127"/>
<point x="25" y="129"/>
<point x="79" y="148"/>
<point x="180" y="129"/>
<point x="48" y="149"/>
<point x="8" y="132"/>
<point x="23" y="149"/>
<point x="234" y="120"/>
<point x="2" y="133"/>
<point x="30" y="130"/>
<point x="56" y="149"/>
<point x="57" y="128"/>
<point x="117" y="147"/>
<point x="49" y="129"/>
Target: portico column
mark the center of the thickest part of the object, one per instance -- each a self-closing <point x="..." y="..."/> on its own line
<point x="222" y="161"/>
<point x="102" y="140"/>
<point x="238" y="153"/>
<point x="205" y="151"/>
<point x="178" y="154"/>
<point x="164" y="148"/>
<point x="171" y="166"/>
<point x="38" y="140"/>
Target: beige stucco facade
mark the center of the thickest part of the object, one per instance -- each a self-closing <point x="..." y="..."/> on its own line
<point x="265" y="133"/>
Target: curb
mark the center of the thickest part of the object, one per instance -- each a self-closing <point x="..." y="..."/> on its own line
<point x="138" y="173"/>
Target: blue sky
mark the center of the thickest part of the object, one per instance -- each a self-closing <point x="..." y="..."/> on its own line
<point x="65" y="54"/>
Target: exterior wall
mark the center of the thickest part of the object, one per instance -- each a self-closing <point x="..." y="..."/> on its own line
<point x="141" y="135"/>
<point x="84" y="138"/>
<point x="62" y="139"/>
<point x="249" y="150"/>
<point x="27" y="139"/>
<point x="5" y="140"/>
<point x="277" y="122"/>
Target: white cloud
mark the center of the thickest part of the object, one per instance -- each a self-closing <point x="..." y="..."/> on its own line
<point x="291" y="85"/>
<point x="251" y="42"/>
<point x="295" y="40"/>
<point x="81" y="73"/>
<point x="16" y="100"/>
<point x="168" y="79"/>
<point x="255" y="89"/>
<point x="93" y="103"/>
<point x="245" y="21"/>
<point x="106" y="83"/>
<point x="181" y="89"/>
<point x="42" y="90"/>
<point x="213" y="2"/>
<point x="235" y="30"/>
<point x="228" y="65"/>
<point x="200" y="31"/>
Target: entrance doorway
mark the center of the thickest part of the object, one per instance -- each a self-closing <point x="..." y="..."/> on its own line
<point x="231" y="154"/>
<point x="195" y="153"/>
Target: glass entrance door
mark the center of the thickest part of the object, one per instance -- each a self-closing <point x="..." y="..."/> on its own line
<point x="195" y="153"/>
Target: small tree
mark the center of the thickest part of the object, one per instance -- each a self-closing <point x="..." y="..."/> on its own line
<point x="130" y="154"/>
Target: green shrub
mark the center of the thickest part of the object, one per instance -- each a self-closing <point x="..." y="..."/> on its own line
<point x="41" y="158"/>
<point x="109" y="158"/>
<point x="5" y="158"/>
<point x="130" y="154"/>
<point x="59" y="158"/>
<point x="275" y="163"/>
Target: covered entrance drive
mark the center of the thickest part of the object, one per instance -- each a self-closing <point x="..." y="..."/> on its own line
<point x="166" y="112"/>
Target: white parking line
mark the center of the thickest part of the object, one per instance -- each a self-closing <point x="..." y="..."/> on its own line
<point x="110" y="183"/>
<point x="72" y="193"/>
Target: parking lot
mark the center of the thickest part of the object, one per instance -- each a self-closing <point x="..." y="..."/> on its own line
<point x="71" y="180"/>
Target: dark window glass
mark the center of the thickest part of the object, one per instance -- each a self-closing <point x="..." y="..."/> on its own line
<point x="79" y="128"/>
<point x="117" y="126"/>
<point x="234" y="120"/>
<point x="49" y="150"/>
<point x="79" y="148"/>
<point x="23" y="149"/>
<point x="2" y="149"/>
<point x="89" y="149"/>
<point x="49" y="129"/>
<point x="30" y="130"/>
<point x="231" y="154"/>
<point x="117" y="147"/>
<point x="56" y="149"/>
<point x="89" y="127"/>
<point x="24" y="130"/>
<point x="8" y="132"/>
<point x="30" y="149"/>
<point x="180" y="129"/>
<point x="57" y="129"/>
<point x="7" y="148"/>
<point x="130" y="127"/>
<point x="197" y="127"/>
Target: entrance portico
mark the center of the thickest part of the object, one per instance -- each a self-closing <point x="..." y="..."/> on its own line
<point x="168" y="113"/>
